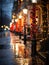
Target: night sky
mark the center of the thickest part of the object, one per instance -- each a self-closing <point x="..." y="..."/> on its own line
<point x="6" y="7"/>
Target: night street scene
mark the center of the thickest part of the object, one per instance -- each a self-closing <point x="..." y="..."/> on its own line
<point x="24" y="32"/>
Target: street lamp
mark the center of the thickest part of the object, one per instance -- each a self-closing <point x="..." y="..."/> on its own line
<point x="20" y="16"/>
<point x="14" y="17"/>
<point x="13" y="20"/>
<point x="33" y="32"/>
<point x="25" y="13"/>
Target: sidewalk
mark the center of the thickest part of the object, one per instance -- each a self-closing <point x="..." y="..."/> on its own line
<point x="8" y="51"/>
<point x="6" y="54"/>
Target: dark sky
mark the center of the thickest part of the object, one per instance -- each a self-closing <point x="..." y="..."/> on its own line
<point x="6" y="11"/>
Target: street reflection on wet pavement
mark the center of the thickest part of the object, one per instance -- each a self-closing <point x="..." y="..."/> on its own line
<point x="12" y="50"/>
<point x="18" y="49"/>
<point x="6" y="54"/>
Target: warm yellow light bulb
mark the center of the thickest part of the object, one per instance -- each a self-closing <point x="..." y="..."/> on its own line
<point x="21" y="0"/>
<point x="34" y="1"/>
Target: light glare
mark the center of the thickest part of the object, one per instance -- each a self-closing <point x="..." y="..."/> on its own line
<point x="20" y="16"/>
<point x="10" y="24"/>
<point x="34" y="1"/>
<point x="25" y="11"/>
<point x="16" y="20"/>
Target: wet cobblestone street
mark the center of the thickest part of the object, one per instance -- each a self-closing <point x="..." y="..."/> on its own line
<point x="9" y="55"/>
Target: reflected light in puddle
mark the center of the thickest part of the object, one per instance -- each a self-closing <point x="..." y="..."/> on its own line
<point x="17" y="49"/>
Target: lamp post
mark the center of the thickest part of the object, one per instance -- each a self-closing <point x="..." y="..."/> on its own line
<point x="14" y="17"/>
<point x="25" y="13"/>
<point x="20" y="16"/>
<point x="13" y="20"/>
<point x="33" y="32"/>
<point x="16" y="24"/>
